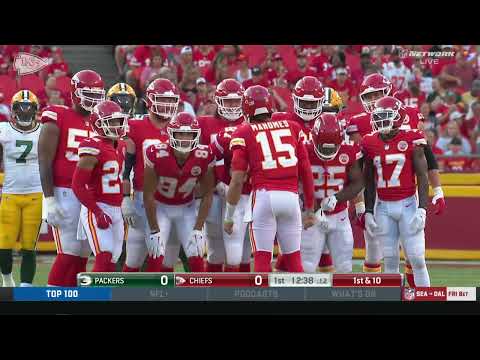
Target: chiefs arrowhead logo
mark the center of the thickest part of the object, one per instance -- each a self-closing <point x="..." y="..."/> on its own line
<point x="196" y="170"/>
<point x="26" y="63"/>
<point x="344" y="158"/>
<point x="402" y="145"/>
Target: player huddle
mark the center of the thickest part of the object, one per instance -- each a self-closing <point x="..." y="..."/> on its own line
<point x="168" y="184"/>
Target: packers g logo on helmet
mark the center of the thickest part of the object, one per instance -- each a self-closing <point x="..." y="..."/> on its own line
<point x="124" y="95"/>
<point x="332" y="101"/>
<point x="24" y="107"/>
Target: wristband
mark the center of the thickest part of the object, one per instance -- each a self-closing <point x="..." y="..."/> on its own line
<point x="360" y="207"/>
<point x="230" y="211"/>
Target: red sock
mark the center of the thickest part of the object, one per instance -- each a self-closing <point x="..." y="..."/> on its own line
<point x="102" y="262"/>
<point x="245" y="268"/>
<point x="280" y="263"/>
<point x="196" y="264"/>
<point x="293" y="262"/>
<point x="372" y="268"/>
<point x="262" y="261"/>
<point x="127" y="268"/>
<point x="326" y="264"/>
<point x="82" y="264"/>
<point x="154" y="265"/>
<point x="61" y="273"/>
<point x="409" y="275"/>
<point x="214" y="267"/>
<point x="231" y="268"/>
<point x="167" y="269"/>
<point x="113" y="267"/>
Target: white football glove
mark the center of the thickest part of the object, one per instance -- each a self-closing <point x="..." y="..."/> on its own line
<point x="322" y="220"/>
<point x="55" y="214"/>
<point x="155" y="245"/>
<point x="129" y="212"/>
<point x="329" y="203"/>
<point x="222" y="189"/>
<point x="418" y="221"/>
<point x="370" y="225"/>
<point x="196" y="245"/>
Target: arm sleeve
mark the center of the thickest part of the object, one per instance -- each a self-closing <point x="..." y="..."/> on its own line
<point x="305" y="173"/>
<point x="129" y="163"/>
<point x="239" y="160"/>
<point x="81" y="178"/>
<point x="431" y="161"/>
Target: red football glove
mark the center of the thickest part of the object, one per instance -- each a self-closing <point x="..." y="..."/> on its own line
<point x="438" y="201"/>
<point x="103" y="220"/>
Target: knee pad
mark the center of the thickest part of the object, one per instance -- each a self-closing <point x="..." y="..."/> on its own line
<point x="417" y="262"/>
<point x="391" y="264"/>
<point x="344" y="267"/>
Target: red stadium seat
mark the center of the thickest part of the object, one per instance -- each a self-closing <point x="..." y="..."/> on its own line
<point x="31" y="82"/>
<point x="8" y="86"/>
<point x="62" y="83"/>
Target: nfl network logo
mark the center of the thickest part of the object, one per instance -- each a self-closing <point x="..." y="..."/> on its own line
<point x="409" y="294"/>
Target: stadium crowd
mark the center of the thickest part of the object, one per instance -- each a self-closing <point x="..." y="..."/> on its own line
<point x="442" y="81"/>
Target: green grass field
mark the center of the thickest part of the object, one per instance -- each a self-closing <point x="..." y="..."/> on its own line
<point x="466" y="273"/>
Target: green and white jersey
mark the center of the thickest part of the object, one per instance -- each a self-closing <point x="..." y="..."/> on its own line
<point x="20" y="159"/>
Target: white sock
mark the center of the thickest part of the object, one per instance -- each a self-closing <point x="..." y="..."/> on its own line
<point x="26" y="285"/>
<point x="8" y="280"/>
<point x="420" y="272"/>
<point x="391" y="265"/>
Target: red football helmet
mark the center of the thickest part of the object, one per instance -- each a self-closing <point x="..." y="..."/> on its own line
<point x="228" y="97"/>
<point x="308" y="97"/>
<point x="184" y="132"/>
<point x="374" y="87"/>
<point x="388" y="113"/>
<point x="108" y="120"/>
<point x="256" y="100"/>
<point x="327" y="136"/>
<point x="162" y="98"/>
<point x="87" y="89"/>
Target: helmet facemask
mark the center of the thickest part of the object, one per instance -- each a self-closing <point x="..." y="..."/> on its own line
<point x="307" y="107"/>
<point x="126" y="102"/>
<point x="114" y="126"/>
<point x="229" y="107"/>
<point x="164" y="105"/>
<point x="89" y="97"/>
<point x="326" y="151"/>
<point x="370" y="98"/>
<point x="382" y="120"/>
<point x="184" y="139"/>
<point x="24" y="113"/>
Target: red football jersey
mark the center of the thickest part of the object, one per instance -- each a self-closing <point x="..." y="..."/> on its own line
<point x="359" y="123"/>
<point x="211" y="125"/>
<point x="412" y="118"/>
<point x="329" y="177"/>
<point x="408" y="99"/>
<point x="143" y="133"/>
<point x="273" y="151"/>
<point x="393" y="160"/>
<point x="74" y="128"/>
<point x="221" y="150"/>
<point x="106" y="180"/>
<point x="305" y="126"/>
<point x="176" y="184"/>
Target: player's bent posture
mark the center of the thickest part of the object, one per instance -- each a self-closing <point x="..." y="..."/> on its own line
<point x="393" y="157"/>
<point x="172" y="171"/>
<point x="337" y="178"/>
<point x="162" y="103"/>
<point x="274" y="155"/>
<point x="62" y="132"/>
<point x="21" y="203"/>
<point x="220" y="249"/>
<point x="97" y="184"/>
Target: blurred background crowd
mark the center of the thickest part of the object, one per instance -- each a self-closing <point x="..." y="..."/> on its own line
<point x="443" y="84"/>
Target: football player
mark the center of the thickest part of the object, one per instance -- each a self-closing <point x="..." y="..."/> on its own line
<point x="393" y="158"/>
<point x="21" y="203"/>
<point x="308" y="99"/>
<point x="275" y="155"/>
<point x="162" y="100"/>
<point x="62" y="132"/>
<point x="373" y="88"/>
<point x="228" y="97"/>
<point x="337" y="178"/>
<point x="172" y="172"/>
<point x="124" y="95"/>
<point x="97" y="184"/>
